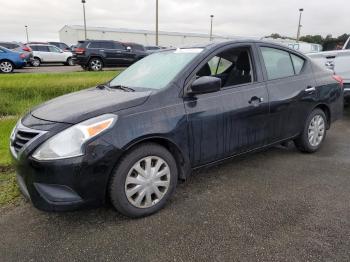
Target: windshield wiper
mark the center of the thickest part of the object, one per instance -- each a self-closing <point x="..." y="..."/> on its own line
<point x="124" y="88"/>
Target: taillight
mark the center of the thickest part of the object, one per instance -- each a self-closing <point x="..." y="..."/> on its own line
<point x="22" y="56"/>
<point x="339" y="79"/>
<point x="79" y="51"/>
<point x="27" y="49"/>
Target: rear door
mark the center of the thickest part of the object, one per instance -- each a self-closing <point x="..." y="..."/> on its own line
<point x="232" y="120"/>
<point x="292" y="90"/>
<point x="43" y="52"/>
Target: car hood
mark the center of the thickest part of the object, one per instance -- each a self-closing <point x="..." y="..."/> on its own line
<point x="79" y="106"/>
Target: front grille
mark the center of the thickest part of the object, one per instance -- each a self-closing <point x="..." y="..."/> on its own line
<point x="21" y="138"/>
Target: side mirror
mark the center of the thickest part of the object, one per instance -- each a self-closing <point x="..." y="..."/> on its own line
<point x="128" y="48"/>
<point x="205" y="84"/>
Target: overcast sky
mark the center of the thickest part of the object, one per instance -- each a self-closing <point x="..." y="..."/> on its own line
<point x="232" y="17"/>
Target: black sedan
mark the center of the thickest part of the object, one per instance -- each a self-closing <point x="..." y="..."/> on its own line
<point x="130" y="140"/>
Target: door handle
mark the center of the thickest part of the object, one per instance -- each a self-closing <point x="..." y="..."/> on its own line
<point x="310" y="89"/>
<point x="255" y="101"/>
<point x="102" y="50"/>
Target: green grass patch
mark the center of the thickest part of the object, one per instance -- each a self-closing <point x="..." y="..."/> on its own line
<point x="20" y="92"/>
<point x="6" y="126"/>
<point x="9" y="190"/>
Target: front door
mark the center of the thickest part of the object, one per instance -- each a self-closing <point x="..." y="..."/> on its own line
<point x="232" y="120"/>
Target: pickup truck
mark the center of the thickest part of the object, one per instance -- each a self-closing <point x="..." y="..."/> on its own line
<point x="339" y="62"/>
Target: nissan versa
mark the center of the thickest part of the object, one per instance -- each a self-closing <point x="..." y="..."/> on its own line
<point x="130" y="140"/>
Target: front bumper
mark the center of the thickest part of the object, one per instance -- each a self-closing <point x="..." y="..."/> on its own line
<point x="66" y="184"/>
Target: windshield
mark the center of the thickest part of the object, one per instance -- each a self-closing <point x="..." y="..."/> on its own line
<point x="155" y="71"/>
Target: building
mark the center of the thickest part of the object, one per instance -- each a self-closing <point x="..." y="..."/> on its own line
<point x="71" y="34"/>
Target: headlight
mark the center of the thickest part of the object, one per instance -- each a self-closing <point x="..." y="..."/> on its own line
<point x="69" y="143"/>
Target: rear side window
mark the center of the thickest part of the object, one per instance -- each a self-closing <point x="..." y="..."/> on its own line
<point x="107" y="45"/>
<point x="9" y="45"/>
<point x="298" y="63"/>
<point x="277" y="62"/>
<point x="95" y="45"/>
<point x="42" y="48"/>
<point x="118" y="45"/>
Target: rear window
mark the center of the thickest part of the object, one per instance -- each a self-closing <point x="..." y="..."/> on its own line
<point x="9" y="45"/>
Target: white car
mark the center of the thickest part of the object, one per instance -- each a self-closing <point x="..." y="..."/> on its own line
<point x="44" y="53"/>
<point x="339" y="62"/>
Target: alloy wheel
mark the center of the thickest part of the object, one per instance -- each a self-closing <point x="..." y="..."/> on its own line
<point x="96" y="65"/>
<point x="147" y="182"/>
<point x="6" y="67"/>
<point x="316" y="130"/>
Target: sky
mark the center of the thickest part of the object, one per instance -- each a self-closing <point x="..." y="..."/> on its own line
<point x="231" y="17"/>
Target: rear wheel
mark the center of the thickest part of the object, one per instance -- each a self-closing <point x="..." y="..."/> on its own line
<point x="6" y="67"/>
<point x="36" y="62"/>
<point x="143" y="181"/>
<point x="95" y="64"/>
<point x="70" y="62"/>
<point x="314" y="132"/>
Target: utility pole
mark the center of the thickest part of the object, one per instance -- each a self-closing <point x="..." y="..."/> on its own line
<point x="157" y="29"/>
<point x="211" y="27"/>
<point x="83" y="2"/>
<point x="26" y="27"/>
<point x="299" y="25"/>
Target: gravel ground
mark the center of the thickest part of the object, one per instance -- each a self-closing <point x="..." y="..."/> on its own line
<point x="277" y="205"/>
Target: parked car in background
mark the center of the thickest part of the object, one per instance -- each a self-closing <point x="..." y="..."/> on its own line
<point x="153" y="48"/>
<point x="19" y="47"/>
<point x="96" y="54"/>
<point x="45" y="54"/>
<point x="61" y="46"/>
<point x="339" y="62"/>
<point x="174" y="111"/>
<point x="139" y="50"/>
<point x="9" y="60"/>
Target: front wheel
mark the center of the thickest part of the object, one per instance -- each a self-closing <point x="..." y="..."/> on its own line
<point x="314" y="133"/>
<point x="95" y="64"/>
<point x="143" y="181"/>
<point x="6" y="67"/>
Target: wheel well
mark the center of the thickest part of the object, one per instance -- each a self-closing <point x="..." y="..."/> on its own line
<point x="327" y="112"/>
<point x="3" y="60"/>
<point x="37" y="58"/>
<point x="182" y="162"/>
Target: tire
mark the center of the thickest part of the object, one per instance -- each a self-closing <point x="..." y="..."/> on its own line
<point x="145" y="200"/>
<point x="316" y="124"/>
<point x="36" y="62"/>
<point x="95" y="64"/>
<point x="6" y="66"/>
<point x="69" y="62"/>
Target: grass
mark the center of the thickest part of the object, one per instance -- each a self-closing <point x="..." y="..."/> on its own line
<point x="6" y="126"/>
<point x="19" y="93"/>
<point x="8" y="188"/>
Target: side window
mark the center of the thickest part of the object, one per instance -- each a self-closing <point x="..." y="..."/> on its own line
<point x="218" y="65"/>
<point x="118" y="46"/>
<point x="53" y="49"/>
<point x="233" y="67"/>
<point x="94" y="45"/>
<point x="43" y="49"/>
<point x="348" y="45"/>
<point x="107" y="45"/>
<point x="298" y="63"/>
<point x="277" y="62"/>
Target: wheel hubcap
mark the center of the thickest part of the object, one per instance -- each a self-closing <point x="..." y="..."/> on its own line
<point x="147" y="182"/>
<point x="6" y="67"/>
<point x="96" y="64"/>
<point x="316" y="130"/>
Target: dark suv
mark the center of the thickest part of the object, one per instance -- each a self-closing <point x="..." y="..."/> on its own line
<point x="96" y="54"/>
